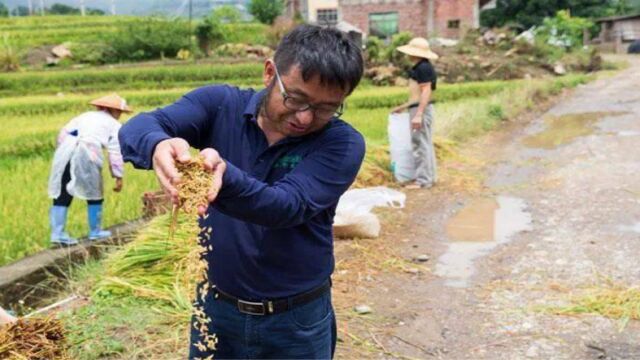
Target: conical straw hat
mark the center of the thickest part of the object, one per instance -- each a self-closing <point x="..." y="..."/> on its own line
<point x="112" y="101"/>
<point x="418" y="47"/>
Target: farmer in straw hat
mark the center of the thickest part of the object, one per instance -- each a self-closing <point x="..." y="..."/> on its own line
<point x="422" y="82"/>
<point x="77" y="166"/>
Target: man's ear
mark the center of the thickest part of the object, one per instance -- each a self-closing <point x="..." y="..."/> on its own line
<point x="269" y="72"/>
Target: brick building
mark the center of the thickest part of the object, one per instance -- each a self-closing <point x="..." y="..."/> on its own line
<point x="428" y="18"/>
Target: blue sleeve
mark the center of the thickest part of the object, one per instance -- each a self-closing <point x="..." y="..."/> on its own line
<point x="189" y="118"/>
<point x="311" y="187"/>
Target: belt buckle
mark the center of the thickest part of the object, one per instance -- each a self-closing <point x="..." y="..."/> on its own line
<point x="251" y="308"/>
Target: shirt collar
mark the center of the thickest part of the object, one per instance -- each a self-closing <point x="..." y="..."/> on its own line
<point x="418" y="63"/>
<point x="251" y="110"/>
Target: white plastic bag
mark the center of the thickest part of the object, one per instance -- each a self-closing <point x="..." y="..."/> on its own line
<point x="402" y="162"/>
<point x="354" y="218"/>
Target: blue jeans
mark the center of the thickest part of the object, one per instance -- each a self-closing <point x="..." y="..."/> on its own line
<point x="305" y="332"/>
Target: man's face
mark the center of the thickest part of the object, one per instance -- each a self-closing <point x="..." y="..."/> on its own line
<point x="287" y="122"/>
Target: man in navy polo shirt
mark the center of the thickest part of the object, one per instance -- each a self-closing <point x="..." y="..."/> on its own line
<point x="281" y="159"/>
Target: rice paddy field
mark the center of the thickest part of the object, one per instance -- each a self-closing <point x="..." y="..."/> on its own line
<point x="35" y="105"/>
<point x="32" y="31"/>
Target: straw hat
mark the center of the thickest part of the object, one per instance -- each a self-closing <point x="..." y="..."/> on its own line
<point x="418" y="47"/>
<point x="112" y="101"/>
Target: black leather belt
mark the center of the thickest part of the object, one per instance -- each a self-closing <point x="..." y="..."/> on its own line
<point x="270" y="307"/>
<point x="415" y="105"/>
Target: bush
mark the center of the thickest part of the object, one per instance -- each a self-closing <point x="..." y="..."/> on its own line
<point x="9" y="58"/>
<point x="209" y="34"/>
<point x="563" y="30"/>
<point x="374" y="49"/>
<point x="246" y="33"/>
<point x="266" y="11"/>
<point x="149" y="38"/>
<point x="378" y="53"/>
<point x="395" y="57"/>
<point x="227" y="14"/>
<point x="94" y="53"/>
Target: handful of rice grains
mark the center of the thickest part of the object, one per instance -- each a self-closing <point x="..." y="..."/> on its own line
<point x="33" y="339"/>
<point x="192" y="191"/>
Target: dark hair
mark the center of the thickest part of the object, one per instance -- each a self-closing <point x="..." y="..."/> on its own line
<point x="321" y="51"/>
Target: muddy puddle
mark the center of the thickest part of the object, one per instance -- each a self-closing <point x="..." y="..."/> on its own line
<point x="477" y="229"/>
<point x="566" y="128"/>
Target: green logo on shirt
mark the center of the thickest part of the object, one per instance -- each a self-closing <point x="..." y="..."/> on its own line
<point x="288" y="162"/>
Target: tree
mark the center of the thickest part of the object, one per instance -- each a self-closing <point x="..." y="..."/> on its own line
<point x="266" y="11"/>
<point x="227" y="14"/>
<point x="4" y="11"/>
<point x="92" y="11"/>
<point x="525" y="13"/>
<point x="20" y="11"/>
<point x="209" y="33"/>
<point x="61" y="9"/>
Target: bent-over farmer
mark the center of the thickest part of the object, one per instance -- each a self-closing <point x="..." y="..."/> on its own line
<point x="282" y="158"/>
<point x="422" y="83"/>
<point x="77" y="166"/>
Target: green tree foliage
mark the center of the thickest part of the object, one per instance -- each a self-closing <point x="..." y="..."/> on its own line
<point x="20" y="11"/>
<point x="4" y="11"/>
<point x="266" y="11"/>
<point x="525" y="13"/>
<point x="227" y="14"/>
<point x="149" y="38"/>
<point x="209" y="33"/>
<point x="91" y="11"/>
<point x="61" y="9"/>
<point x="563" y="29"/>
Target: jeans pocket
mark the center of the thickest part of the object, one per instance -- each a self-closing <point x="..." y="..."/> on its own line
<point x="314" y="313"/>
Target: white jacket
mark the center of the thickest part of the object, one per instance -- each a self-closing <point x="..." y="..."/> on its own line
<point x="80" y="143"/>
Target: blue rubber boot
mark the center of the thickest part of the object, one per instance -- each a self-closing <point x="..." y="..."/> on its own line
<point x="58" y="219"/>
<point x="94" y="212"/>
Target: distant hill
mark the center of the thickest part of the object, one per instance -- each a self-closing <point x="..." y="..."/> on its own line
<point x="140" y="7"/>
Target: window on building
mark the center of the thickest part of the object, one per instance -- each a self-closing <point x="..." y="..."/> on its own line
<point x="327" y="16"/>
<point x="453" y="24"/>
<point x="383" y="25"/>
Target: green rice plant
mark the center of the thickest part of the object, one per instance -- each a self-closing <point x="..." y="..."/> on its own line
<point x="56" y="21"/>
<point x="24" y="204"/>
<point x="157" y="77"/>
<point x="36" y="31"/>
<point x="245" y="33"/>
<point x="364" y="98"/>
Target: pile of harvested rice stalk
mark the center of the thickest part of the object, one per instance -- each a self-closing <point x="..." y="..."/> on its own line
<point x="156" y="267"/>
<point x="33" y="339"/>
<point x="195" y="183"/>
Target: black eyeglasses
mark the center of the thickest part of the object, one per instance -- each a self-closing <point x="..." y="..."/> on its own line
<point x="320" y="112"/>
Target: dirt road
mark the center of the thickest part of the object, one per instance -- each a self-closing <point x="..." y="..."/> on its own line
<point x="559" y="211"/>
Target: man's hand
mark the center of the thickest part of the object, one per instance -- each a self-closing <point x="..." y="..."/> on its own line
<point x="416" y="122"/>
<point x="213" y="163"/>
<point x="166" y="154"/>
<point x="118" y="187"/>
